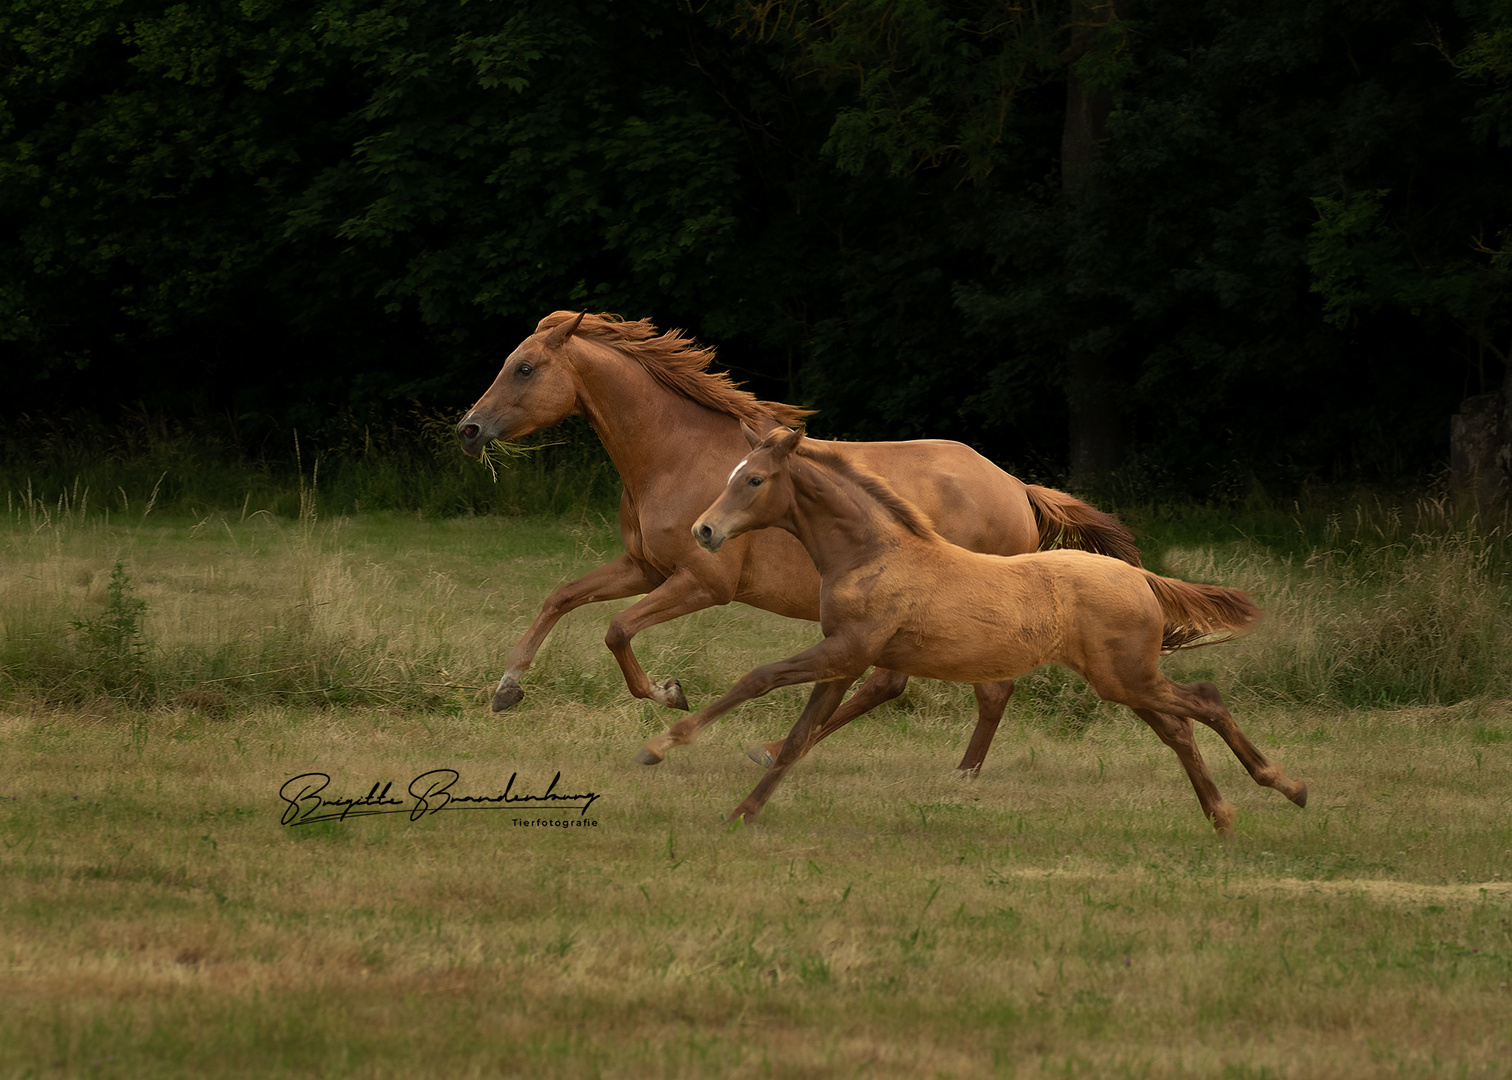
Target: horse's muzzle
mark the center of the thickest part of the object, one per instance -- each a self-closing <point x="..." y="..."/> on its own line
<point x="472" y="436"/>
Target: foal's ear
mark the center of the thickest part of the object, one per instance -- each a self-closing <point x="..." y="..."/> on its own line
<point x="750" y="434"/>
<point x="787" y="444"/>
<point x="562" y="331"/>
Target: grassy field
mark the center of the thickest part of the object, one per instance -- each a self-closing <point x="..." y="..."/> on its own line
<point x="1069" y="913"/>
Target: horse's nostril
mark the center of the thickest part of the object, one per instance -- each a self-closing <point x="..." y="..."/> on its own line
<point x="704" y="532"/>
<point x="469" y="431"/>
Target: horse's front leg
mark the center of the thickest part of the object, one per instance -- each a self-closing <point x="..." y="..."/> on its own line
<point x="679" y="595"/>
<point x="613" y="581"/>
<point x="806" y="732"/>
<point x="833" y="658"/>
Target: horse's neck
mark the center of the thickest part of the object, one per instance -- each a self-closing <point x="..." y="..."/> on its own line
<point x="640" y="422"/>
<point x="839" y="524"/>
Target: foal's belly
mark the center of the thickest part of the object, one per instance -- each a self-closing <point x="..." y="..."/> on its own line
<point x="984" y="654"/>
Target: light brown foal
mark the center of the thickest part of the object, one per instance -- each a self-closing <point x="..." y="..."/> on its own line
<point x="897" y="594"/>
<point x="672" y="429"/>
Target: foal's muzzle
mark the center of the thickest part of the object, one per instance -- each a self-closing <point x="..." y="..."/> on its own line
<point x="708" y="538"/>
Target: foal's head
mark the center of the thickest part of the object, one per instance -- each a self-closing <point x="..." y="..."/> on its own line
<point x="758" y="493"/>
<point x="535" y="389"/>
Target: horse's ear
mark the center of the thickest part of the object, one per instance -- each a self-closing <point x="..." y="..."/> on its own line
<point x="562" y="331"/>
<point x="787" y="444"/>
<point x="750" y="434"/>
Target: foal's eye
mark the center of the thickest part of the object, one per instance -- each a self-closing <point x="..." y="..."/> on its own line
<point x="756" y="481"/>
<point x="524" y="370"/>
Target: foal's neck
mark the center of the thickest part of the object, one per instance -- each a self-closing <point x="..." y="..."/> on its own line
<point x="840" y="525"/>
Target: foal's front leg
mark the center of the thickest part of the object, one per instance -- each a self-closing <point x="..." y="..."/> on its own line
<point x="832" y="658"/>
<point x="807" y="731"/>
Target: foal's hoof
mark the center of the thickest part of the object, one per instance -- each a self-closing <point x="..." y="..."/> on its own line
<point x="760" y="755"/>
<point x="669" y="692"/>
<point x="1300" y="795"/>
<point x="647" y="756"/>
<point x="507" y="696"/>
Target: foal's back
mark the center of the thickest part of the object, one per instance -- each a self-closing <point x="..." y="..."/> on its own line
<point x="963" y="616"/>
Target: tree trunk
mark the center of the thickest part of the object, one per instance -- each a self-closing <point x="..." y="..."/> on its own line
<point x="1097" y="431"/>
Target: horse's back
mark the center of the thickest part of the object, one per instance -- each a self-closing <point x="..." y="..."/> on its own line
<point x="970" y="501"/>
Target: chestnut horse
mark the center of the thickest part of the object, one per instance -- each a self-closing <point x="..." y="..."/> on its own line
<point x="672" y="429"/>
<point x="899" y="595"/>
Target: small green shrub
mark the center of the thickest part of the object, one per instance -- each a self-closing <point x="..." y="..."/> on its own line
<point x="113" y="645"/>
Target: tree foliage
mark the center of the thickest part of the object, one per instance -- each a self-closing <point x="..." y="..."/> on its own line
<point x="1285" y="247"/>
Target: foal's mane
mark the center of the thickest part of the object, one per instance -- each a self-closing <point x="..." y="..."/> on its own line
<point x="680" y="364"/>
<point x="904" y="512"/>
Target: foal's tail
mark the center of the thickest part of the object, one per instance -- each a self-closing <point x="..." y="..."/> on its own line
<point x="1194" y="612"/>
<point x="1065" y="521"/>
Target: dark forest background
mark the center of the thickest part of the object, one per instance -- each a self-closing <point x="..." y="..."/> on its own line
<point x="1193" y="246"/>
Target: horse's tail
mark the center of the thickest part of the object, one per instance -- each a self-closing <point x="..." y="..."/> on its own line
<point x="1194" y="612"/>
<point x="1065" y="521"/>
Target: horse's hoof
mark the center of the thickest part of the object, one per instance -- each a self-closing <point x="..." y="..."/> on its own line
<point x="669" y="692"/>
<point x="647" y="756"/>
<point x="507" y="696"/>
<point x="760" y="755"/>
<point x="966" y="774"/>
<point x="1300" y="795"/>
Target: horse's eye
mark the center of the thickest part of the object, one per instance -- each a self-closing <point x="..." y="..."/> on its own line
<point x="524" y="370"/>
<point x="756" y="481"/>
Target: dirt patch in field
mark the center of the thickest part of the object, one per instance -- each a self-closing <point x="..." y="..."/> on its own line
<point x="1384" y="890"/>
<point x="1388" y="891"/>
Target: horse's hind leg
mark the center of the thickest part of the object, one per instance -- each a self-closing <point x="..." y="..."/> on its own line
<point x="992" y="699"/>
<point x="1265" y="772"/>
<point x="1176" y="732"/>
<point x="881" y="686"/>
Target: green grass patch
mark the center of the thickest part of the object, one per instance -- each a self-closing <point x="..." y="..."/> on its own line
<point x="1068" y="913"/>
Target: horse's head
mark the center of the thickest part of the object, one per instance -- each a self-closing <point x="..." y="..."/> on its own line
<point x="535" y="388"/>
<point x="758" y="492"/>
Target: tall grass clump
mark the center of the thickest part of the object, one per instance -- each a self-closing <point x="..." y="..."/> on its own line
<point x="1391" y="607"/>
<point x="210" y="614"/>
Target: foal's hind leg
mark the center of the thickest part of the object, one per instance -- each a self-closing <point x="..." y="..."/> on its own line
<point x="1176" y="732"/>
<point x="1266" y="772"/>
<point x="992" y="699"/>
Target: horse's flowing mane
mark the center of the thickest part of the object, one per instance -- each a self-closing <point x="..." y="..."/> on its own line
<point x="680" y="364"/>
<point x="904" y="512"/>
